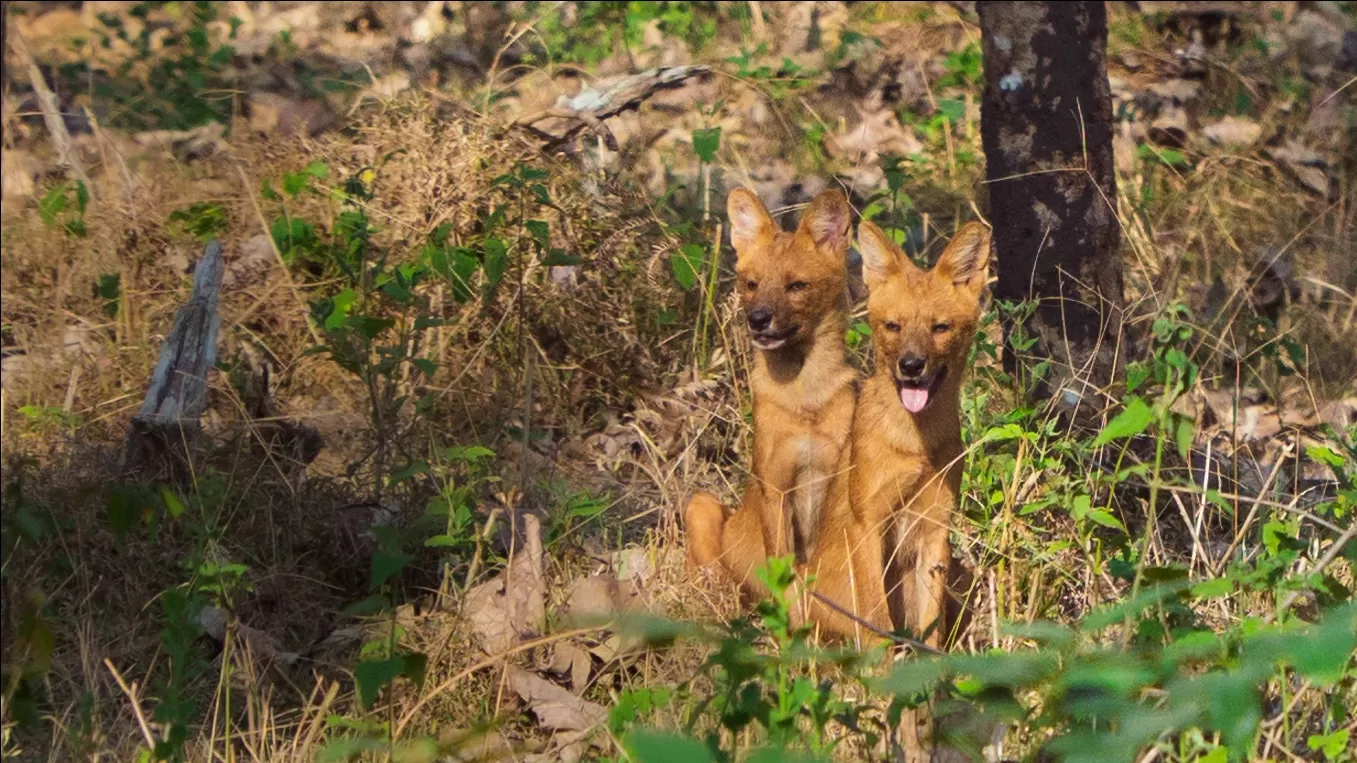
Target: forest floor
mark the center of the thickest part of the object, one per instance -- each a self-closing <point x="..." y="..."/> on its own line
<point x="477" y="350"/>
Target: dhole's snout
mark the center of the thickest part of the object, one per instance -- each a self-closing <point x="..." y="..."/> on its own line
<point x="917" y="380"/>
<point x="765" y="328"/>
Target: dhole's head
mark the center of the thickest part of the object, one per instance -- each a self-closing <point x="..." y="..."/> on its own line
<point x="788" y="282"/>
<point x="923" y="321"/>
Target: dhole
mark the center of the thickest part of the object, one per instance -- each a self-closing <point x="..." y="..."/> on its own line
<point x="793" y="288"/>
<point x="884" y="550"/>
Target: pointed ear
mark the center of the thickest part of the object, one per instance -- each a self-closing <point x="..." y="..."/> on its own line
<point x="881" y="258"/>
<point x="827" y="221"/>
<point x="749" y="219"/>
<point x="966" y="258"/>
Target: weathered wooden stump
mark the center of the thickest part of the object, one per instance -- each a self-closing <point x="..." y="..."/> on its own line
<point x="170" y="417"/>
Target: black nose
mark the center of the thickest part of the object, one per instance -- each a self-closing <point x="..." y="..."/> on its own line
<point x="912" y="366"/>
<point x="759" y="318"/>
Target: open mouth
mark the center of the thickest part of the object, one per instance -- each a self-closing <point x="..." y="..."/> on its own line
<point x="771" y="340"/>
<point x="915" y="394"/>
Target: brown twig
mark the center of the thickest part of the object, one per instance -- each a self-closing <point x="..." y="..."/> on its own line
<point x="51" y="113"/>
<point x="483" y="664"/>
<point x="131" y="692"/>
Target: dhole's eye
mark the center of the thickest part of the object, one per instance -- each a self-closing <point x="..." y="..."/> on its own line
<point x="751" y="284"/>
<point x="795" y="286"/>
<point x="892" y="327"/>
<point x="941" y="327"/>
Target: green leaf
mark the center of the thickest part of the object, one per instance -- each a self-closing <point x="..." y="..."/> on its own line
<point x="109" y="289"/>
<point x="1323" y="652"/>
<point x="318" y="169"/>
<point x="1325" y="456"/>
<point x="82" y="196"/>
<point x="1136" y="374"/>
<point x="409" y="470"/>
<point x="1216" y="755"/>
<point x="1080" y="507"/>
<point x="952" y="108"/>
<point x="384" y="565"/>
<point x="687" y="265"/>
<point x="416" y="665"/>
<point x="496" y="261"/>
<point x="1041" y="631"/>
<point x="1105" y="518"/>
<point x="173" y="505"/>
<point x="52" y="204"/>
<point x="910" y="678"/>
<point x="706" y="142"/>
<point x="1331" y="745"/>
<point x="371" y="675"/>
<point x="541" y="232"/>
<point x="1008" y="669"/>
<point x="295" y="182"/>
<point x="365" y="607"/>
<point x="443" y="541"/>
<point x="369" y="326"/>
<point x="648" y="746"/>
<point x="558" y="257"/>
<point x="1130" y="422"/>
<point x="341" y="304"/>
<point x="427" y="366"/>
<point x="468" y="453"/>
<point x="1185" y="430"/>
<point x="1214" y="588"/>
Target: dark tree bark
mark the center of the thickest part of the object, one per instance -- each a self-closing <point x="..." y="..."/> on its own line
<point x="1047" y="130"/>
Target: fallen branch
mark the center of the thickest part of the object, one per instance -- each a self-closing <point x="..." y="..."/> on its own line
<point x="51" y="112"/>
<point x="591" y="106"/>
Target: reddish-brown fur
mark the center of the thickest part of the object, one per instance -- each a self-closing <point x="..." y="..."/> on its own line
<point x="884" y="550"/>
<point x="802" y="385"/>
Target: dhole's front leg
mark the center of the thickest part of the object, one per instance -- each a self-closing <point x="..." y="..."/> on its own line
<point x="777" y="481"/>
<point x="847" y="572"/>
<point x="930" y="584"/>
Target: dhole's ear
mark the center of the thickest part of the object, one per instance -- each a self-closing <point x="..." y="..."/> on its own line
<point x="880" y="255"/>
<point x="965" y="259"/>
<point x="828" y="219"/>
<point x="749" y="219"/>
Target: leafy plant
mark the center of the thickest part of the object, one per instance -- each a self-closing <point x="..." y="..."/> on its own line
<point x="64" y="204"/>
<point x="187" y="78"/>
<point x="203" y="221"/>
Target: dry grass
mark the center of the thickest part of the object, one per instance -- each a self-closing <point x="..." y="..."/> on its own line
<point x="588" y="361"/>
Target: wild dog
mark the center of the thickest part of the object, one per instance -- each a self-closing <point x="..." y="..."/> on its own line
<point x="884" y="551"/>
<point x="793" y="288"/>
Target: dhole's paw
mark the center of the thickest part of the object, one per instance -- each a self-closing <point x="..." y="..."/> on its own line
<point x="704" y="517"/>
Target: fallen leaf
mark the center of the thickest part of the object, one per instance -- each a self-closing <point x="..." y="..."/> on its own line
<point x="1175" y="91"/>
<point x="633" y="563"/>
<point x="593" y="598"/>
<point x="501" y="610"/>
<point x="1233" y="132"/>
<point x="568" y="659"/>
<point x="567" y="747"/>
<point x="556" y="709"/>
<point x="1305" y="164"/>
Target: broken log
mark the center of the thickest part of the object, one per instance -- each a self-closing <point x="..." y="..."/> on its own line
<point x="171" y="412"/>
<point x="591" y="106"/>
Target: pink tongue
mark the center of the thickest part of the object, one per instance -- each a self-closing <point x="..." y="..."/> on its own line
<point x="914" y="398"/>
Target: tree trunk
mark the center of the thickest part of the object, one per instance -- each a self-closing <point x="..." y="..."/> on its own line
<point x="1047" y="126"/>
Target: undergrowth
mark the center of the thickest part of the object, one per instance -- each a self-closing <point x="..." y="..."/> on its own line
<point x="513" y="336"/>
